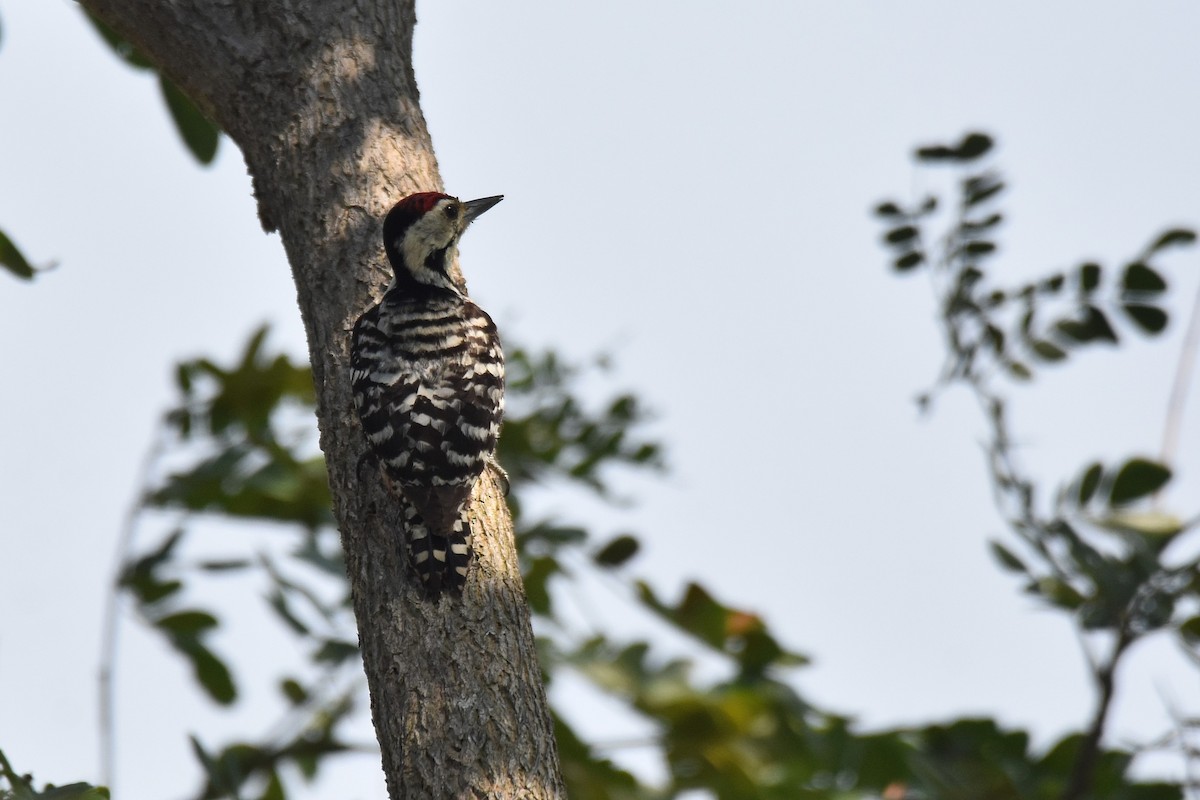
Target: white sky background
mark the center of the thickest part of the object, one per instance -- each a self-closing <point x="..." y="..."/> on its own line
<point x="688" y="187"/>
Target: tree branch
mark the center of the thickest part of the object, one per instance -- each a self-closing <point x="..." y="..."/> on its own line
<point x="322" y="100"/>
<point x="1083" y="772"/>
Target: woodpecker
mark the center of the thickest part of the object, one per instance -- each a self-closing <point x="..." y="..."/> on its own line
<point x="428" y="384"/>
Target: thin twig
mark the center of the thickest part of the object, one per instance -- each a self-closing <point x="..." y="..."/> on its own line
<point x="1084" y="769"/>
<point x="1013" y="495"/>
<point x="1183" y="380"/>
<point x="1180" y="736"/>
<point x="111" y="624"/>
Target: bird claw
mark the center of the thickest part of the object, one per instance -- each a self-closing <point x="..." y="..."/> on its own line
<point x="500" y="474"/>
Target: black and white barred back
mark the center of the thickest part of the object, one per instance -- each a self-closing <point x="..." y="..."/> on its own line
<point x="428" y="382"/>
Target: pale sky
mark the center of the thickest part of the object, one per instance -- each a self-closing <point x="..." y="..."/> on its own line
<point x="688" y="187"/>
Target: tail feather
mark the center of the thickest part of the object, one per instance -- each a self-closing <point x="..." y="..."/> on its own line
<point x="441" y="560"/>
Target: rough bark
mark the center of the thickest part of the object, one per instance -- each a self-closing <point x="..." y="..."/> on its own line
<point x="322" y="100"/>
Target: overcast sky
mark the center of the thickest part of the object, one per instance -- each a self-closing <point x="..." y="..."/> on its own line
<point x="688" y="187"/>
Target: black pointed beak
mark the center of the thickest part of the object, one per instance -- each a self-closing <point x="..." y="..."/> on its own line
<point x="473" y="208"/>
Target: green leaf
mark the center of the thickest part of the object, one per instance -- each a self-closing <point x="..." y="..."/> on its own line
<point x="1006" y="559"/>
<point x="148" y="589"/>
<point x="980" y="188"/>
<point x="993" y="337"/>
<point x="12" y="259"/>
<point x="551" y="535"/>
<point x="739" y="634"/>
<point x="334" y="651"/>
<point x="888" y="210"/>
<point x="1190" y="630"/>
<point x="1047" y="351"/>
<point x="979" y="248"/>
<point x="274" y="788"/>
<point x="1053" y="284"/>
<point x="971" y="147"/>
<point x="934" y="153"/>
<point x="227" y="770"/>
<point x="183" y="377"/>
<point x="617" y="551"/>
<point x="162" y="554"/>
<point x="1136" y="479"/>
<point x="1091" y="327"/>
<point x="537" y="583"/>
<point x="141" y="578"/>
<point x="293" y="691"/>
<point x="909" y="260"/>
<point x="588" y="775"/>
<point x="1089" y="277"/>
<point x="1150" y="319"/>
<point x="1018" y="370"/>
<point x="1057" y="593"/>
<point x="972" y="226"/>
<point x="73" y="791"/>
<point x="199" y="134"/>
<point x="279" y="602"/>
<point x="283" y="488"/>
<point x="210" y="671"/>
<point x="905" y="233"/>
<point x="1089" y="483"/>
<point x="698" y="613"/>
<point x="1139" y="277"/>
<point x="224" y="565"/>
<point x="186" y="623"/>
<point x="1171" y="238"/>
<point x="15" y="786"/>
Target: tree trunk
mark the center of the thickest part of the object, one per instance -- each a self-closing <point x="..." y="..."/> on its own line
<point x="321" y="98"/>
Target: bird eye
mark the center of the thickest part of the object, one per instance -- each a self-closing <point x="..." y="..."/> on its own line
<point x="452" y="211"/>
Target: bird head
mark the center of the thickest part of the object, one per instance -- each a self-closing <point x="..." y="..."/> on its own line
<point x="421" y="233"/>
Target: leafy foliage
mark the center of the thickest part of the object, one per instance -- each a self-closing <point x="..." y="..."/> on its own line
<point x="14" y="786"/>
<point x="13" y="260"/>
<point x="1008" y="329"/>
<point x="243" y="436"/>
<point x="253" y="468"/>
<point x="242" y="449"/>
<point x="199" y="134"/>
<point x="552" y="435"/>
<point x="184" y="628"/>
<point x="1128" y="586"/>
<point x="241" y="433"/>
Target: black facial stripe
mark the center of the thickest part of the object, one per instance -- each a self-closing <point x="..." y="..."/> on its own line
<point x="436" y="261"/>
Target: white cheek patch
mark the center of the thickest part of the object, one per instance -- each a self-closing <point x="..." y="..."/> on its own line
<point x="432" y="232"/>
